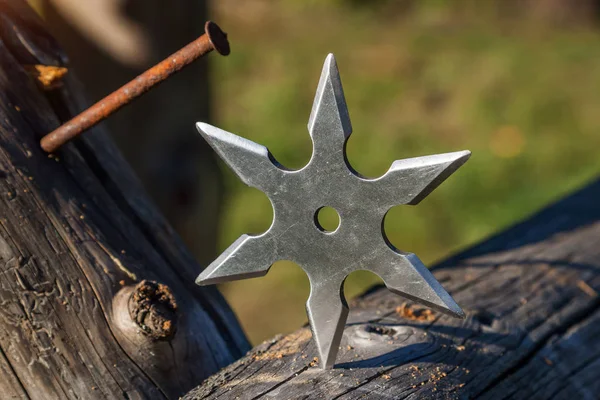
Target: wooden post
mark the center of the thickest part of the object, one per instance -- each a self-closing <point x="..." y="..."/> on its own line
<point x="97" y="294"/>
<point x="156" y="134"/>
<point x="531" y="332"/>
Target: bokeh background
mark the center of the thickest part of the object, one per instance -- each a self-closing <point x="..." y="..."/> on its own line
<point x="515" y="82"/>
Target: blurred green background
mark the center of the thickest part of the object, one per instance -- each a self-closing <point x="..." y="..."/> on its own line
<point x="517" y="82"/>
<point x="517" y="85"/>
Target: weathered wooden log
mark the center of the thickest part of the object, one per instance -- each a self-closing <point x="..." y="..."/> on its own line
<point x="531" y="332"/>
<point x="183" y="178"/>
<point x="97" y="294"/>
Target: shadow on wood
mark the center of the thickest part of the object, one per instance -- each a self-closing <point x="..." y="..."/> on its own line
<point x="532" y="327"/>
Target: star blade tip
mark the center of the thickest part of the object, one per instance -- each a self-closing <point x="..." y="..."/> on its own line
<point x="202" y="280"/>
<point x="454" y="310"/>
<point x="327" y="362"/>
<point x="330" y="64"/>
<point x="464" y="155"/>
<point x="211" y="275"/>
<point x="447" y="305"/>
<point x="330" y="83"/>
<point x="203" y="126"/>
<point x="207" y="130"/>
<point x="327" y="323"/>
<point x="457" y="157"/>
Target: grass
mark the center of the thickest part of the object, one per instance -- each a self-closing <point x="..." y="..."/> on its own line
<point x="522" y="96"/>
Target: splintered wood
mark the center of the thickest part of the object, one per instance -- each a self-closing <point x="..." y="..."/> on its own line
<point x="47" y="77"/>
<point x="532" y="326"/>
<point x="421" y="314"/>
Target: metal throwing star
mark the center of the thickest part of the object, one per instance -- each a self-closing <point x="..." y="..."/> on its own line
<point x="359" y="242"/>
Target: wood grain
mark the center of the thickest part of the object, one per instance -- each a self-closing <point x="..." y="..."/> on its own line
<point x="531" y="332"/>
<point x="77" y="234"/>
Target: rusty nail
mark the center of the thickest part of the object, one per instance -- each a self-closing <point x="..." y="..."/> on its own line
<point x="213" y="39"/>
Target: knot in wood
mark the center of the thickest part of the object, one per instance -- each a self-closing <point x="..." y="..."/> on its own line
<point x="153" y="308"/>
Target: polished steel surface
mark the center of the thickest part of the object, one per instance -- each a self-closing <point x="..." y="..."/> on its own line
<point x="358" y="243"/>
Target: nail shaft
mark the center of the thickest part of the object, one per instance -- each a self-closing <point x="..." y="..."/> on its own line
<point x="213" y="39"/>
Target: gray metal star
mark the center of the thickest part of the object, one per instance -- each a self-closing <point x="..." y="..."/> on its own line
<point x="359" y="243"/>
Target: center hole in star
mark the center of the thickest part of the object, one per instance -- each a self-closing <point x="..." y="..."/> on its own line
<point x="327" y="219"/>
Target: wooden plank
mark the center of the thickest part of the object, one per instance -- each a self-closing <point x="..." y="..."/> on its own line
<point x="10" y="386"/>
<point x="74" y="247"/>
<point x="533" y="316"/>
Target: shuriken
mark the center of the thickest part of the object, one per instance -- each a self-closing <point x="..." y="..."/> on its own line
<point x="359" y="242"/>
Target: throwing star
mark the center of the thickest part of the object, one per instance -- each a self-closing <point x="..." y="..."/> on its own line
<point x="358" y="243"/>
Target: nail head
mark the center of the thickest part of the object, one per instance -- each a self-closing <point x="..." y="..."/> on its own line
<point x="217" y="37"/>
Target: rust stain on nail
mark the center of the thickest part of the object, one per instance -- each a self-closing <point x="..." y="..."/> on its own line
<point x="213" y="39"/>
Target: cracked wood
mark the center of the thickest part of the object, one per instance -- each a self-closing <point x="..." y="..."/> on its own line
<point x="533" y="319"/>
<point x="77" y="234"/>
